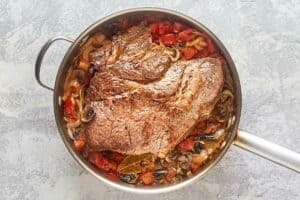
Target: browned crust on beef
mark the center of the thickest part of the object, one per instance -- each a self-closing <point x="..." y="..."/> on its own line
<point x="144" y="103"/>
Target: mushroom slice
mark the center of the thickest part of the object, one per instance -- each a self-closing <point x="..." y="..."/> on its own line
<point x="87" y="114"/>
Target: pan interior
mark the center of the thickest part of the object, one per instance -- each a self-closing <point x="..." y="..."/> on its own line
<point x="106" y="25"/>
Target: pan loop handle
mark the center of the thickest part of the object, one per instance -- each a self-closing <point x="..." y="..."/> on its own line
<point x="268" y="150"/>
<point x="41" y="55"/>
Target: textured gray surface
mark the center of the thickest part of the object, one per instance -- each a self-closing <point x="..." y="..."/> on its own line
<point x="263" y="38"/>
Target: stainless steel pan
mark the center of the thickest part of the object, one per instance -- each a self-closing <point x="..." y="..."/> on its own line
<point x="237" y="137"/>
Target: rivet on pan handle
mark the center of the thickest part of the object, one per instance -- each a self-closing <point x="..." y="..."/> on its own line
<point x="41" y="55"/>
<point x="268" y="150"/>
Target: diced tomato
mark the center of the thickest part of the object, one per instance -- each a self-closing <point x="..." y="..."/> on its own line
<point x="164" y="28"/>
<point x="154" y="28"/>
<point x="177" y="27"/>
<point x="188" y="52"/>
<point x="186" y="35"/>
<point x="101" y="162"/>
<point x="147" y="178"/>
<point x="168" y="39"/>
<point x="69" y="109"/>
<point x="193" y="167"/>
<point x="210" y="46"/>
<point x="79" y="144"/>
<point x="170" y="174"/>
<point x="112" y="176"/>
<point x="186" y="145"/>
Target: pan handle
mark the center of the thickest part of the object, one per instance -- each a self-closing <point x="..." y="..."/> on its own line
<point x="40" y="57"/>
<point x="268" y="150"/>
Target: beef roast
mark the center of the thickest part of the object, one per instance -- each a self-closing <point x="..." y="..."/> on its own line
<point x="144" y="103"/>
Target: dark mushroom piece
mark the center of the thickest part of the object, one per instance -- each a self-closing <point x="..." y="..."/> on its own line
<point x="180" y="44"/>
<point x="198" y="146"/>
<point x="184" y="161"/>
<point x="214" y="136"/>
<point x="129" y="178"/>
<point x="205" y="137"/>
<point x="159" y="173"/>
<point x="172" y="156"/>
<point x="87" y="114"/>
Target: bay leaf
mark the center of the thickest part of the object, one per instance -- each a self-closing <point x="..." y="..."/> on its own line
<point x="132" y="163"/>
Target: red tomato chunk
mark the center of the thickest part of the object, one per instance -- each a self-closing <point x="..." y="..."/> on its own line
<point x="168" y="39"/>
<point x="154" y="28"/>
<point x="188" y="52"/>
<point x="69" y="109"/>
<point x="193" y="167"/>
<point x="177" y="27"/>
<point x="170" y="174"/>
<point x="186" y="35"/>
<point x="147" y="178"/>
<point x="101" y="162"/>
<point x="186" y="145"/>
<point x="164" y="28"/>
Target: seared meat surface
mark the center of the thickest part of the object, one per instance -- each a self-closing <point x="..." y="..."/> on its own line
<point x="131" y="57"/>
<point x="143" y="102"/>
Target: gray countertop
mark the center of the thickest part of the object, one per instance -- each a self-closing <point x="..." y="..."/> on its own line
<point x="263" y="38"/>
